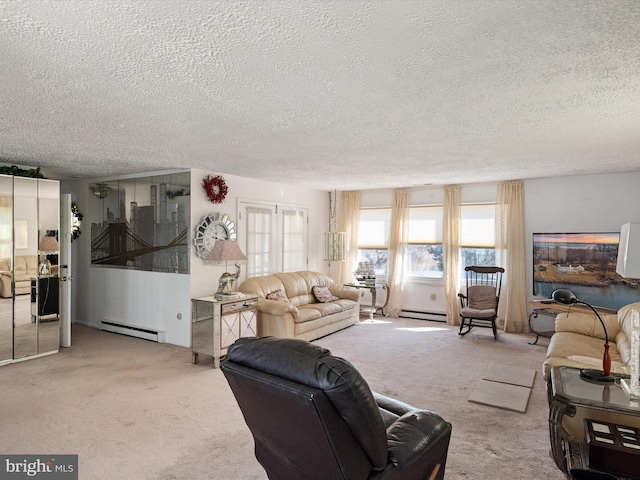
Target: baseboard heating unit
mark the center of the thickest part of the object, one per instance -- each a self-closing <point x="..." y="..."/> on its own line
<point x="134" y="330"/>
<point x="424" y="315"/>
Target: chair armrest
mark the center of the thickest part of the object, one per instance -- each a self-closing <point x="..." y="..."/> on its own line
<point x="392" y="405"/>
<point x="341" y="291"/>
<point x="274" y="307"/>
<point x="415" y="433"/>
<point x="6" y="273"/>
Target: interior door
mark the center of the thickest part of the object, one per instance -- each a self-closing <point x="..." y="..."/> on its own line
<point x="65" y="270"/>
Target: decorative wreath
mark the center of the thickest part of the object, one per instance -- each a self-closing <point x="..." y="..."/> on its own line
<point x="77" y="219"/>
<point x="215" y="187"/>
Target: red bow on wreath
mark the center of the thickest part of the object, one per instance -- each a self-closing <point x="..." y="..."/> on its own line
<point x="215" y="187"/>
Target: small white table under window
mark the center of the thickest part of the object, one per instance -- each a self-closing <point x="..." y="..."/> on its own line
<point x="373" y="288"/>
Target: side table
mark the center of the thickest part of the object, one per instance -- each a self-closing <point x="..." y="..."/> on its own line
<point x="373" y="288"/>
<point x="216" y="324"/>
<point x="547" y="312"/>
<point x="567" y="392"/>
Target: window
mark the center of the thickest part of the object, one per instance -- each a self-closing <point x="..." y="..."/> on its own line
<point x="478" y="235"/>
<point x="373" y="238"/>
<point x="294" y="240"/>
<point x="275" y="237"/>
<point x="424" y="252"/>
<point x="259" y="230"/>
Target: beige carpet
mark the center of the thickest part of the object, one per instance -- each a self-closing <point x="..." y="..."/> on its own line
<point x="139" y="410"/>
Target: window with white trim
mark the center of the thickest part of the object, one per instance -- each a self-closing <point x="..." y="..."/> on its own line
<point x="477" y="235"/>
<point x="373" y="238"/>
<point x="294" y="239"/>
<point x="424" y="252"/>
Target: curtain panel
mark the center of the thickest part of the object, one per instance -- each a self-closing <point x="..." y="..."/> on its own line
<point x="398" y="240"/>
<point x="510" y="245"/>
<point x="349" y="221"/>
<point x="451" y="251"/>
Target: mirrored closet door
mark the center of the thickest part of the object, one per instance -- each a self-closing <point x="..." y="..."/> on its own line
<point x="29" y="298"/>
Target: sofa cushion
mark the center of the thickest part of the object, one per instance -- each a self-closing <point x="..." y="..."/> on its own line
<point x="278" y="296"/>
<point x="306" y="313"/>
<point x="298" y="285"/>
<point x="325" y="308"/>
<point x="587" y="324"/>
<point x="5" y="264"/>
<point x="323" y="294"/>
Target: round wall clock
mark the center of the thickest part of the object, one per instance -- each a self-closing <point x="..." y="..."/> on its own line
<point x="213" y="227"/>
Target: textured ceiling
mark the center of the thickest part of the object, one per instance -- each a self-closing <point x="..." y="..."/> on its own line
<point x="325" y="94"/>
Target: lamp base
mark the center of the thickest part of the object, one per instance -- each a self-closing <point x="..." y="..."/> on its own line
<point x="597" y="376"/>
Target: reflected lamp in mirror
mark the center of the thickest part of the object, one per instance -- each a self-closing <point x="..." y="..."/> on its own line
<point x="567" y="297"/>
<point x="334" y="246"/>
<point x="226" y="251"/>
<point x="47" y="245"/>
<point x="100" y="190"/>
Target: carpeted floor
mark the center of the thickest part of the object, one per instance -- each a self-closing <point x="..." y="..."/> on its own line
<point x="140" y="410"/>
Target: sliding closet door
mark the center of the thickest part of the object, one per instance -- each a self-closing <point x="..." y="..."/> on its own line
<point x="6" y="259"/>
<point x="48" y="311"/>
<point x="25" y="265"/>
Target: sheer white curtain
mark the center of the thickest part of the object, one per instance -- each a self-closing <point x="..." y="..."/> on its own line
<point x="451" y="251"/>
<point x="398" y="240"/>
<point x="349" y="221"/>
<point x="510" y="245"/>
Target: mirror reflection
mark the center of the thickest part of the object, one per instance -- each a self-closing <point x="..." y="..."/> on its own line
<point x="47" y="288"/>
<point x="29" y="298"/>
<point x="6" y="254"/>
<point x="25" y="264"/>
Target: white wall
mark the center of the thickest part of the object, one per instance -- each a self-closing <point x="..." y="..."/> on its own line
<point x="155" y="299"/>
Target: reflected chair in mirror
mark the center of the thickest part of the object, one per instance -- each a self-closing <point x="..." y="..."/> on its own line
<point x="313" y="417"/>
<point x="479" y="303"/>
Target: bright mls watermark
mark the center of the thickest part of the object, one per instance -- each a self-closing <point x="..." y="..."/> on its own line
<point x="51" y="467"/>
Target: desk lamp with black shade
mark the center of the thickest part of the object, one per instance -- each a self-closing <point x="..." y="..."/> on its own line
<point x="567" y="297"/>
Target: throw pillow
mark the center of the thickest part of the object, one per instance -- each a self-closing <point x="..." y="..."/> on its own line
<point x="278" y="296"/>
<point x="323" y="294"/>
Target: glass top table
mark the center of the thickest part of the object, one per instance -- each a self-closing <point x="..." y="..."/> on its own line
<point x="567" y="392"/>
<point x="373" y="287"/>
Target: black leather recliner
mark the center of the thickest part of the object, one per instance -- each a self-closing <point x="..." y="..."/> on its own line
<point x="313" y="416"/>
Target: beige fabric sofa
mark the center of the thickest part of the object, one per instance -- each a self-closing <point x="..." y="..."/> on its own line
<point x="26" y="268"/>
<point x="298" y="313"/>
<point x="579" y="341"/>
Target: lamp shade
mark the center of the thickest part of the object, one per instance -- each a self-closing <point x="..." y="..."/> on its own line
<point x="225" y="251"/>
<point x="628" y="265"/>
<point x="49" y="245"/>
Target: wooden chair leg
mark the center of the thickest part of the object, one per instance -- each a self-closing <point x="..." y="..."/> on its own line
<point x="467" y="325"/>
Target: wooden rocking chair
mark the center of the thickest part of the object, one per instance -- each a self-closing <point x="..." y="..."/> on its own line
<point x="479" y="306"/>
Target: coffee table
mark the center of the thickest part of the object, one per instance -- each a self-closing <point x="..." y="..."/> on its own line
<point x="567" y="392"/>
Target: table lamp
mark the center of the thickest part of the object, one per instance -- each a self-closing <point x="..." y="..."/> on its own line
<point x="226" y="251"/>
<point x="567" y="297"/>
<point x="47" y="245"/>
